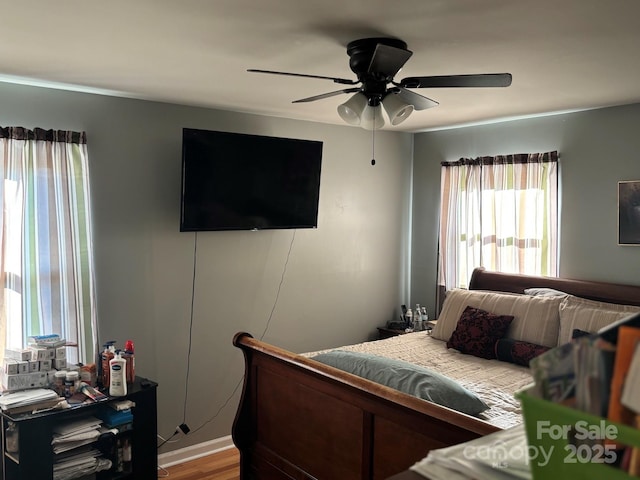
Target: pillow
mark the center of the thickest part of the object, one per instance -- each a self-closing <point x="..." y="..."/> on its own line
<point x="478" y="331"/>
<point x="406" y="377"/>
<point x="544" y="292"/>
<point x="588" y="315"/>
<point x="515" y="351"/>
<point x="536" y="319"/>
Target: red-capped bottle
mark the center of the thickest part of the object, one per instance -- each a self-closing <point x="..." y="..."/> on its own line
<point x="131" y="361"/>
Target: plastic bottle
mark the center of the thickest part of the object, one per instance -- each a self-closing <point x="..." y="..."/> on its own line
<point x="11" y="435"/>
<point x="131" y="361"/>
<point x="71" y="383"/>
<point x="417" y="318"/>
<point x="409" y="319"/>
<point x="58" y="382"/>
<point x="126" y="455"/>
<point x="106" y="356"/>
<point x="117" y="376"/>
<point x="100" y="364"/>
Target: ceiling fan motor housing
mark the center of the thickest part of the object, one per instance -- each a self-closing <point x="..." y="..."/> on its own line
<point x="374" y="84"/>
<point x="361" y="52"/>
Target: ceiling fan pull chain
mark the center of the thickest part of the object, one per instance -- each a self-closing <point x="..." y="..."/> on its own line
<point x="373" y="141"/>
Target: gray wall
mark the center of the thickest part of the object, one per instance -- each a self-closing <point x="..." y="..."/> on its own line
<point x="342" y="279"/>
<point x="597" y="149"/>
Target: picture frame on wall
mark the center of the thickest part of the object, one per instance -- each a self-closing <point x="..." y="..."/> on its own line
<point x="629" y="212"/>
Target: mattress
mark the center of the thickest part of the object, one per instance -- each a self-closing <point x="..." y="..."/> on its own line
<point x="493" y="381"/>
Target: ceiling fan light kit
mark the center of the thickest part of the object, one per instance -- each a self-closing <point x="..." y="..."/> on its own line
<point x="372" y="118"/>
<point x="351" y="110"/>
<point x="397" y="109"/>
<point x="358" y="110"/>
<point x="375" y="61"/>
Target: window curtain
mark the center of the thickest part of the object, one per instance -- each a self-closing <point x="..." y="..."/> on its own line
<point x="500" y="213"/>
<point x="46" y="251"/>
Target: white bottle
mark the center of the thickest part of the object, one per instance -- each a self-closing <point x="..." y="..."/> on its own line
<point x="117" y="376"/>
<point x="409" y="318"/>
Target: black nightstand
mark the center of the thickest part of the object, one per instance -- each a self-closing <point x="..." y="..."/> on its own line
<point x="384" y="332"/>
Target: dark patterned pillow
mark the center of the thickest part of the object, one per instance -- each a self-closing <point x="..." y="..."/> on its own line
<point x="478" y="331"/>
<point x="518" y="352"/>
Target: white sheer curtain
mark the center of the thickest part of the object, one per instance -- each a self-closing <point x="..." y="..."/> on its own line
<point x="500" y="213"/>
<point x="46" y="252"/>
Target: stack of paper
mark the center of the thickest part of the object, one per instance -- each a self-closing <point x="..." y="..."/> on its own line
<point x="498" y="456"/>
<point x="75" y="434"/>
<point x="82" y="461"/>
<point x="28" y="400"/>
<point x="75" y="457"/>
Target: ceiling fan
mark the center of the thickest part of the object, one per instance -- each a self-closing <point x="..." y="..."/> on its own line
<point x="376" y="61"/>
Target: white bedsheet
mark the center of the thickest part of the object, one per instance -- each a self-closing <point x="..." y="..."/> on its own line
<point x="492" y="380"/>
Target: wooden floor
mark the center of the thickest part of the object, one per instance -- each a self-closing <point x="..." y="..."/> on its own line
<point x="219" y="466"/>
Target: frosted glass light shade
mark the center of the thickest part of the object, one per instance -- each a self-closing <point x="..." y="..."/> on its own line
<point x="397" y="109"/>
<point x="372" y="118"/>
<point x="351" y="110"/>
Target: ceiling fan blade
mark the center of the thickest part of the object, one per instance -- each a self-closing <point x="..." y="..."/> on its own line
<point x="446" y="81"/>
<point x="388" y="60"/>
<point x="344" y="81"/>
<point x="418" y="101"/>
<point x="326" y="95"/>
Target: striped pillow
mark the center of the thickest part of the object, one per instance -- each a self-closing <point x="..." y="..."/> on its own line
<point x="588" y="315"/>
<point x="536" y="319"/>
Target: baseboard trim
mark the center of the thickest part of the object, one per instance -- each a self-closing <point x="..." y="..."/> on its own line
<point x="195" y="451"/>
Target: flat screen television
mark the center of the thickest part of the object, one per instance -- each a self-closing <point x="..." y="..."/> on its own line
<point x="234" y="181"/>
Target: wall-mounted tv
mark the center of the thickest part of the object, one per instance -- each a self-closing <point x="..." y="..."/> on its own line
<point x="234" y="181"/>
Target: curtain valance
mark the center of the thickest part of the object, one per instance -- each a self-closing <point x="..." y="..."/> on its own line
<point x="61" y="136"/>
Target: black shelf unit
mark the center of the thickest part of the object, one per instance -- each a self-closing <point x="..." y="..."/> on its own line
<point x="35" y="457"/>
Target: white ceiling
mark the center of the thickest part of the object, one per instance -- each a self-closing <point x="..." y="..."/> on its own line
<point x="564" y="54"/>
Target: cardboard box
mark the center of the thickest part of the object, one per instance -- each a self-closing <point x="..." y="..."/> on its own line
<point x="34" y="366"/>
<point x="42" y="353"/>
<point x="18" y="354"/>
<point x="10" y="366"/>
<point x="23" y="367"/>
<point x="38" y="353"/>
<point x="45" y="365"/>
<point x="61" y="352"/>
<point x="59" y="363"/>
<point x="22" y="381"/>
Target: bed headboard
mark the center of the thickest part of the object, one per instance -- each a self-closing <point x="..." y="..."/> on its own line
<point x="482" y="279"/>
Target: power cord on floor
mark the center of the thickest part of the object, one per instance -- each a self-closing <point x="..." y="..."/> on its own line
<point x="226" y="402"/>
<point x="168" y="440"/>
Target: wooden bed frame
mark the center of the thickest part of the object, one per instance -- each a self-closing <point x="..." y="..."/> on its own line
<point x="302" y="420"/>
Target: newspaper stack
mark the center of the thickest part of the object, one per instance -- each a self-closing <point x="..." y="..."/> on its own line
<point x="29" y="400"/>
<point x="75" y="457"/>
<point x="498" y="456"/>
<point x="75" y="434"/>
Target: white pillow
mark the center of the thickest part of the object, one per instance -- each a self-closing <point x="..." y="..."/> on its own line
<point x="536" y="319"/>
<point x="588" y="315"/>
<point x="544" y="292"/>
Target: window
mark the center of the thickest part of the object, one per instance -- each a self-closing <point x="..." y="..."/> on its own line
<point x="46" y="253"/>
<point x="499" y="213"/>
